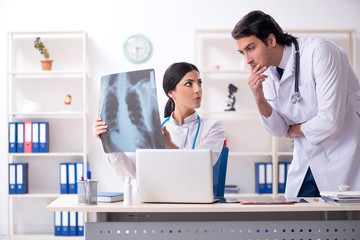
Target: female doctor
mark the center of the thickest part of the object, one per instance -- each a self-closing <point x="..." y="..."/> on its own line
<point x="316" y="101"/>
<point x="182" y="128"/>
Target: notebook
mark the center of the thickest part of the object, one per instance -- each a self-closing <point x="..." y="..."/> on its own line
<point x="174" y="176"/>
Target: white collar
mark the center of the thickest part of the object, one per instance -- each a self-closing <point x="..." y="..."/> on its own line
<point x="187" y="120"/>
<point x="285" y="57"/>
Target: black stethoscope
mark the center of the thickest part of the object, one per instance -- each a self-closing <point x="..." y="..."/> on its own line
<point x="197" y="130"/>
<point x="296" y="97"/>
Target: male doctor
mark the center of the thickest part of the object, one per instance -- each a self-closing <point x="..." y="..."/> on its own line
<point x="321" y="114"/>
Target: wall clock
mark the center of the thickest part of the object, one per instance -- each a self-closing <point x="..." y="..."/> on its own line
<point x="137" y="48"/>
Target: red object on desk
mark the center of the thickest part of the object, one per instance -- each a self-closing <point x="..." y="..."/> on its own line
<point x="265" y="203"/>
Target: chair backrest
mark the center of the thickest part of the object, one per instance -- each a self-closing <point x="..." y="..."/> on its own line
<point x="219" y="173"/>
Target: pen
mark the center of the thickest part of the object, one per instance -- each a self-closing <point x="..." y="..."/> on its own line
<point x="87" y="188"/>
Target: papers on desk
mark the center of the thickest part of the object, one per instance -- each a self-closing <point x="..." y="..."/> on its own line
<point x="264" y="200"/>
<point x="349" y="197"/>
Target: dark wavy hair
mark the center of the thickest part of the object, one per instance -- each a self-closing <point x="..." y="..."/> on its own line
<point x="172" y="77"/>
<point x="261" y="25"/>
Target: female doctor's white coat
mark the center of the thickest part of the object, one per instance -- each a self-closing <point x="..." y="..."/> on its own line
<point x="329" y="113"/>
<point x="211" y="136"/>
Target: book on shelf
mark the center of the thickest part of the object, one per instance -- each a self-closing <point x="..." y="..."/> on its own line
<point x="28" y="137"/>
<point x="264" y="178"/>
<point x="110" y="197"/>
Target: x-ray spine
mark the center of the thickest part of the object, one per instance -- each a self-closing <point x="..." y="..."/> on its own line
<point x="129" y="106"/>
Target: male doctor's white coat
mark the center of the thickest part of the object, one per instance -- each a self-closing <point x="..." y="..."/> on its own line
<point x="329" y="113"/>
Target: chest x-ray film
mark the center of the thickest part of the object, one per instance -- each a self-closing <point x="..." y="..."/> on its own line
<point x="129" y="107"/>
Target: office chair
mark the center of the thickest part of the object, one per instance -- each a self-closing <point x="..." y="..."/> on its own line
<point x="219" y="174"/>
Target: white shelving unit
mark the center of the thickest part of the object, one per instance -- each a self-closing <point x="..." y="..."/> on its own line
<point x="67" y="126"/>
<point x="220" y="64"/>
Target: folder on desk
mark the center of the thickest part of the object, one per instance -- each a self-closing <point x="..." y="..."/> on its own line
<point x="80" y="223"/>
<point x="12" y="137"/>
<point x="72" y="224"/>
<point x="22" y="178"/>
<point x="260" y="177"/>
<point x="269" y="178"/>
<point x="65" y="231"/>
<point x="35" y="137"/>
<point x="44" y="137"/>
<point x="72" y="178"/>
<point x="20" y="137"/>
<point x="12" y="178"/>
<point x="57" y="223"/>
<point x="64" y="178"/>
<point x="27" y="137"/>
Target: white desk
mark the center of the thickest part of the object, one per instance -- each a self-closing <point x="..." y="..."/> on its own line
<point x="313" y="220"/>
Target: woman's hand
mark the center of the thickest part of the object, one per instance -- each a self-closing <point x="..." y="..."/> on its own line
<point x="99" y="127"/>
<point x="167" y="139"/>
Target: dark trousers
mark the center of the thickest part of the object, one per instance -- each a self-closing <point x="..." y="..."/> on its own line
<point x="309" y="188"/>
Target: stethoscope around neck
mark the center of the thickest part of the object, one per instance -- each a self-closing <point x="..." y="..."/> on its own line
<point x="197" y="130"/>
<point x="296" y="97"/>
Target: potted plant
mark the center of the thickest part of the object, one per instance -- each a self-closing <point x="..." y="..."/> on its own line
<point x="46" y="63"/>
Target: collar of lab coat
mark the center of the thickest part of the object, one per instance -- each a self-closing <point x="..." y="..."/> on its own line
<point x="189" y="119"/>
<point x="287" y="63"/>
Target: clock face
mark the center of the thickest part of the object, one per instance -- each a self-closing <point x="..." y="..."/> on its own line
<point x="137" y="48"/>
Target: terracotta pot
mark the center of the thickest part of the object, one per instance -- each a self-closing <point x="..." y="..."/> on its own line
<point x="46" y="64"/>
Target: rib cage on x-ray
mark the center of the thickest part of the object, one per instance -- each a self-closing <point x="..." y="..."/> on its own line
<point x="128" y="105"/>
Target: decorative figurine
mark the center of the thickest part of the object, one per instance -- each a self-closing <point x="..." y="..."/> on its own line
<point x="231" y="98"/>
<point x="67" y="101"/>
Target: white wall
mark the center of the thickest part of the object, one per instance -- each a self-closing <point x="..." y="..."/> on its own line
<point x="169" y="25"/>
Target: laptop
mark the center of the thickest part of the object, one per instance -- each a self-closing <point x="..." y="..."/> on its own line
<point x="174" y="176"/>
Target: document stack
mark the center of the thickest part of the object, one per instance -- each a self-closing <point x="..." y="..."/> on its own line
<point x="28" y="137"/>
<point x="70" y="173"/>
<point x="341" y="198"/>
<point x="264" y="177"/>
<point x="69" y="223"/>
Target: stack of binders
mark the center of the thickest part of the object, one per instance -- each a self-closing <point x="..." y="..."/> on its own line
<point x="70" y="173"/>
<point x="69" y="223"/>
<point x="264" y="177"/>
<point x="18" y="178"/>
<point x="28" y="137"/>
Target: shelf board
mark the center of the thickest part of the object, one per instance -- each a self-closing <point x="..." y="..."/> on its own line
<point x="65" y="33"/>
<point x="250" y="153"/>
<point x="285" y="153"/>
<point x="225" y="72"/>
<point x="43" y="237"/>
<point x="48" y="114"/>
<point x="230" y="112"/>
<point x="44" y="73"/>
<point x="35" y="195"/>
<point x="49" y="154"/>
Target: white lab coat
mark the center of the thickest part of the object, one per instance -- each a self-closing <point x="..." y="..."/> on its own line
<point x="211" y="136"/>
<point x="329" y="113"/>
